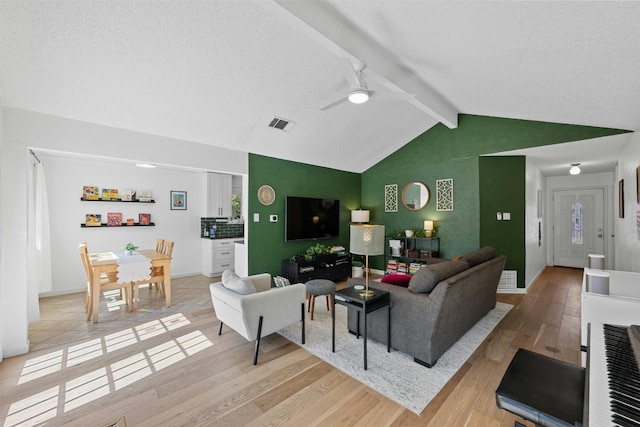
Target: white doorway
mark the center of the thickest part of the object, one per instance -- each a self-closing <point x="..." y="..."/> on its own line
<point x="578" y="227"/>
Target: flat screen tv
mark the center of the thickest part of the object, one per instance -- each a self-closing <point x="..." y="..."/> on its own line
<point x="309" y="218"/>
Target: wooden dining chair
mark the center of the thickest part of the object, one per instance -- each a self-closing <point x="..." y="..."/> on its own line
<point x="107" y="282"/>
<point x="165" y="247"/>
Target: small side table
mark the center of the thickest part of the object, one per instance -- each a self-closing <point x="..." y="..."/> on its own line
<point x="352" y="299"/>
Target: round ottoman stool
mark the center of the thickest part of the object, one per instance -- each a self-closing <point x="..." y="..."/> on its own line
<point x="317" y="287"/>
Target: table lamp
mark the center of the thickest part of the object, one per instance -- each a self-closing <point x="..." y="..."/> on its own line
<point x="360" y="216"/>
<point x="428" y="228"/>
<point x="367" y="240"/>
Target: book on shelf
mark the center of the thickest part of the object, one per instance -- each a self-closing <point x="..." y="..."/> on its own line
<point x="144" y="219"/>
<point x="130" y="221"/>
<point x="93" y="220"/>
<point x="128" y="195"/>
<point x="144" y="196"/>
<point x="109" y="194"/>
<point x="90" y="193"/>
<point x="114" y="219"/>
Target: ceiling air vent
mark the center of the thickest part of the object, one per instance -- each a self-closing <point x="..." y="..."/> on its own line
<point x="282" y="124"/>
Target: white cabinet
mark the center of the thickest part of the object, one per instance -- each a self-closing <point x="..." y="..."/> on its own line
<point x="218" y="195"/>
<point x="218" y="255"/>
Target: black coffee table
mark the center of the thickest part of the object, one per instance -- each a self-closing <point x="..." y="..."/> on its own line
<point x="352" y="299"/>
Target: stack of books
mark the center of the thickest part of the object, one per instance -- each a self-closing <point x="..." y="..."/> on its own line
<point x="392" y="266"/>
<point x="403" y="268"/>
<point x="414" y="267"/>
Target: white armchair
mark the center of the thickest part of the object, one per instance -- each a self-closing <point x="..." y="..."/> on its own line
<point x="254" y="309"/>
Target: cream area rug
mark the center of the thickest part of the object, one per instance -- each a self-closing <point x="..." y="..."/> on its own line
<point x="395" y="374"/>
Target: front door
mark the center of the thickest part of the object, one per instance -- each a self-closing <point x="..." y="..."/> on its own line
<point x="578" y="228"/>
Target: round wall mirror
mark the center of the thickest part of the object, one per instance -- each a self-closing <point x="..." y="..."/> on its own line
<point x="415" y="196"/>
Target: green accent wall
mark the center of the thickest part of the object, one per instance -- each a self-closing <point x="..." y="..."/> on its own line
<point x="442" y="153"/>
<point x="502" y="189"/>
<point x="267" y="247"/>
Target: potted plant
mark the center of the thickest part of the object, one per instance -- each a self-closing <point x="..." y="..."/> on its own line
<point x="129" y="248"/>
<point x="357" y="269"/>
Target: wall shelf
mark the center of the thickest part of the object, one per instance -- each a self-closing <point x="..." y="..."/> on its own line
<point x="104" y="225"/>
<point x="116" y="200"/>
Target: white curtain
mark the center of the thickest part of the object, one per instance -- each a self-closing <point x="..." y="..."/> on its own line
<point x="39" y="241"/>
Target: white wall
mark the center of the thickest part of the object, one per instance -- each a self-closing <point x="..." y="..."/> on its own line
<point x="627" y="229"/>
<point x="534" y="252"/>
<point x="574" y="182"/>
<point x="21" y="130"/>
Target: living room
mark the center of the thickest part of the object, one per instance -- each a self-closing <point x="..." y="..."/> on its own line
<point x="101" y="140"/>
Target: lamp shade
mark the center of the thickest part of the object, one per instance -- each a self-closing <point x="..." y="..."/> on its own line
<point x="428" y="225"/>
<point x="359" y="216"/>
<point x="367" y="239"/>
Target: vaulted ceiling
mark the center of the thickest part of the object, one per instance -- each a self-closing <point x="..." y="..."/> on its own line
<point x="218" y="72"/>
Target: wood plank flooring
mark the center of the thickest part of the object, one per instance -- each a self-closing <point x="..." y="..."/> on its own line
<point x="169" y="367"/>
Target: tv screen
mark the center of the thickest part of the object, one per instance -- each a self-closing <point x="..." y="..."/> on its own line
<point x="308" y="218"/>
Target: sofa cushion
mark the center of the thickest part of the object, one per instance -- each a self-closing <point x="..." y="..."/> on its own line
<point x="425" y="279"/>
<point x="479" y="256"/>
<point x="397" y="279"/>
<point x="237" y="284"/>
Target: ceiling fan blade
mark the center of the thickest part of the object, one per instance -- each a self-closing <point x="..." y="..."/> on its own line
<point x="334" y="103"/>
<point x="350" y="74"/>
<point x="392" y="96"/>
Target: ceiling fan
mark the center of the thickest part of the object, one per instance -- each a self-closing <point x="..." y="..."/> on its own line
<point x="360" y="93"/>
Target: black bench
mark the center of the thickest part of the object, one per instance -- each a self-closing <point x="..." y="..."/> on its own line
<point x="543" y="390"/>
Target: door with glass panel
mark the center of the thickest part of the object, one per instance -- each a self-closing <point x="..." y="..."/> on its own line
<point x="578" y="226"/>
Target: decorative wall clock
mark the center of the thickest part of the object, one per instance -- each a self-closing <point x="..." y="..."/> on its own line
<point x="266" y="195"/>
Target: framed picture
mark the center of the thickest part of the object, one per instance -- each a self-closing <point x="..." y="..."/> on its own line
<point x="621" y="198"/>
<point x="179" y="200"/>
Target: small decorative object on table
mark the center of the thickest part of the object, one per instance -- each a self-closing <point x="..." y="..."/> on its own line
<point x="129" y="248"/>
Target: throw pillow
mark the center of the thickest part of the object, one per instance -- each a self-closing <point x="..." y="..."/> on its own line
<point x="430" y="275"/>
<point x="242" y="286"/>
<point x="397" y="279"/>
<point x="479" y="256"/>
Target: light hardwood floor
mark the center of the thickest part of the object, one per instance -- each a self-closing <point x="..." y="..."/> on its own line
<point x="169" y="367"/>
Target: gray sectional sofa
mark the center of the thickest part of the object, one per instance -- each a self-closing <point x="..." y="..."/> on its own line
<point x="442" y="302"/>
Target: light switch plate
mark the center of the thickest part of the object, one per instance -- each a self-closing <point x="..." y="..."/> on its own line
<point x="506" y="216"/>
<point x="499" y="216"/>
<point x="256" y="217"/>
<point x="273" y="218"/>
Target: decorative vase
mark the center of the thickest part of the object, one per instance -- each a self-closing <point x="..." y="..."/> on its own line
<point x="395" y="246"/>
<point x="128" y="252"/>
<point x="408" y="233"/>
<point x="356" y="271"/>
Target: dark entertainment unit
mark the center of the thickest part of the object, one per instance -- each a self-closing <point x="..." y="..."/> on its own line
<point x="332" y="267"/>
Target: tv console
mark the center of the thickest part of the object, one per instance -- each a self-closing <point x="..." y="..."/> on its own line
<point x="332" y="267"/>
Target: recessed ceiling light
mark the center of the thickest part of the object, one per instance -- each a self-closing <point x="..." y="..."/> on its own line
<point x="145" y="165"/>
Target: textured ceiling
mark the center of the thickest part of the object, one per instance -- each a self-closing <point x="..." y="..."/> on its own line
<point x="217" y="72"/>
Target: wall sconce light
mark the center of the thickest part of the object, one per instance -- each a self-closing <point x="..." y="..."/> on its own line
<point x="575" y="170"/>
<point x="360" y="216"/>
<point x="428" y="228"/>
